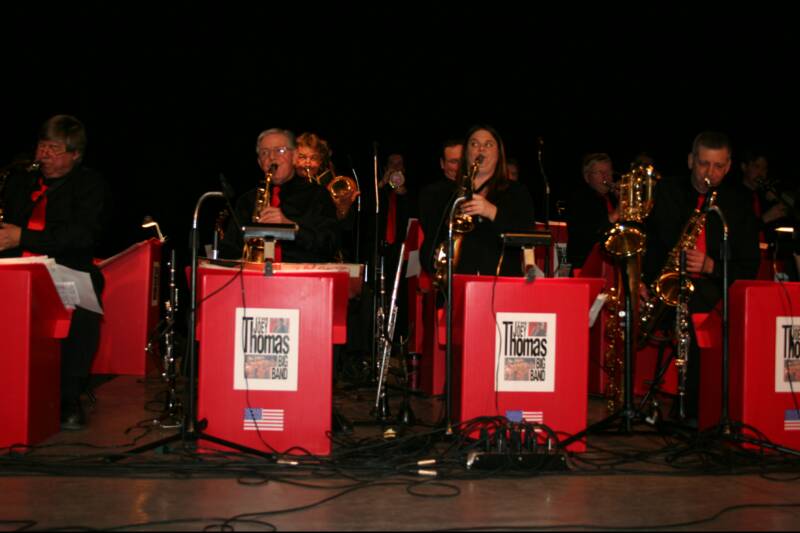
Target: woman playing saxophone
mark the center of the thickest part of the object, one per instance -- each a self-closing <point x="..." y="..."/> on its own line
<point x="496" y="205"/>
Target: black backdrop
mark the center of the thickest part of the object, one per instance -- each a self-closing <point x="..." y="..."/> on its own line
<point x="173" y="94"/>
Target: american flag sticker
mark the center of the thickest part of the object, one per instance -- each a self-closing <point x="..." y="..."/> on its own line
<point x="533" y="416"/>
<point x="791" y="420"/>
<point x="263" y="419"/>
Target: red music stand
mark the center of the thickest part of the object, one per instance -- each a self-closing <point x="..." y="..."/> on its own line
<point x="32" y="322"/>
<point x="762" y="356"/>
<point x="294" y="310"/>
<point x="548" y="319"/>
<point x="131" y="300"/>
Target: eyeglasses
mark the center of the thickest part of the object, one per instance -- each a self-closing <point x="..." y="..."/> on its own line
<point x="305" y="157"/>
<point x="277" y="151"/>
<point x="51" y="149"/>
<point x="475" y="145"/>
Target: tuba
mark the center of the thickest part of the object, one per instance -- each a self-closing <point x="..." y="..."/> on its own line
<point x="626" y="242"/>
<point x="254" y="248"/>
<point x="667" y="286"/>
<point x="461" y="224"/>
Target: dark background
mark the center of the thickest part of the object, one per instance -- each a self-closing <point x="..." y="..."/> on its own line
<point x="173" y="94"/>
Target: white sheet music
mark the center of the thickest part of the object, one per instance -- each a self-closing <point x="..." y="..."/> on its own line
<point x="73" y="286"/>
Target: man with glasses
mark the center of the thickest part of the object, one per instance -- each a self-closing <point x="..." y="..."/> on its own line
<point x="293" y="200"/>
<point x="60" y="211"/>
<point x="592" y="207"/>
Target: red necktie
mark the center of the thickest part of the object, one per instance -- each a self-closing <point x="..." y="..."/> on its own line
<point x="37" y="220"/>
<point x="391" y="214"/>
<point x="275" y="201"/>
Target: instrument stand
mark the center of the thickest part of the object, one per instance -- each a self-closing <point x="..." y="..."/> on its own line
<point x="405" y="416"/>
<point x="651" y="397"/>
<point x="627" y="415"/>
<point x="192" y="428"/>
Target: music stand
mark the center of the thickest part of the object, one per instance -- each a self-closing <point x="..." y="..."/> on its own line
<point x="270" y="233"/>
<point x="192" y="429"/>
<point x="528" y="241"/>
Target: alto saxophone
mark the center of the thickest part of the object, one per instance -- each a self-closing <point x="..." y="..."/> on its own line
<point x="461" y="224"/>
<point x="254" y="249"/>
<point x="668" y="285"/>
<point x="5" y="172"/>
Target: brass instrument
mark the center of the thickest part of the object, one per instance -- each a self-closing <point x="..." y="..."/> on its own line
<point x="341" y="189"/>
<point x="254" y="249"/>
<point x="635" y="190"/>
<point x="626" y="242"/>
<point x="667" y="287"/>
<point x="29" y="167"/>
<point x="462" y="224"/>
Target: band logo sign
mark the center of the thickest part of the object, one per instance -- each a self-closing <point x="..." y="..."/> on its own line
<point x="525" y="352"/>
<point x="787" y="354"/>
<point x="266" y="349"/>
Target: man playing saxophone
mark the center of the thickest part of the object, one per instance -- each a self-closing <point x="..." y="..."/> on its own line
<point x="293" y="200"/>
<point x="678" y="199"/>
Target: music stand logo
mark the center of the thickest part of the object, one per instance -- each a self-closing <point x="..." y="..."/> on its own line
<point x="525" y="352"/>
<point x="266" y="349"/>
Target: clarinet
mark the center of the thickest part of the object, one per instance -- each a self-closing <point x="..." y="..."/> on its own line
<point x="682" y="336"/>
<point x="388" y="336"/>
<point x="172" y="402"/>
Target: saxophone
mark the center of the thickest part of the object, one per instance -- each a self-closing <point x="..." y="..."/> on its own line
<point x="461" y="224"/>
<point x="254" y="249"/>
<point x="29" y="167"/>
<point x="668" y="285"/>
<point x="625" y="242"/>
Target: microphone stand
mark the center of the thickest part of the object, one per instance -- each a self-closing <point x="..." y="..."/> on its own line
<point x="375" y="259"/>
<point x="192" y="429"/>
<point x="724" y="419"/>
<point x="448" y="358"/>
<point x="358" y="215"/>
<point x="540" y="142"/>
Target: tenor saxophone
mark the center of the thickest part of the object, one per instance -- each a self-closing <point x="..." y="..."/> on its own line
<point x="254" y="249"/>
<point x="667" y="287"/>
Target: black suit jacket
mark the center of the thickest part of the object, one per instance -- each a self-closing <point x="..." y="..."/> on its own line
<point x="78" y="206"/>
<point x="307" y="204"/>
<point x="675" y="199"/>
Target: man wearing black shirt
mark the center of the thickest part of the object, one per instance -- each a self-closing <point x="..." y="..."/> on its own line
<point x="294" y="200"/>
<point x="675" y="200"/>
<point x="60" y="212"/>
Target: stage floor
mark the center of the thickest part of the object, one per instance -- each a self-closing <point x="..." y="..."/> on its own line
<point x="634" y="481"/>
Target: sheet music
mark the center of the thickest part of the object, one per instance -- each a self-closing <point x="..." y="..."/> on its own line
<point x="597" y="305"/>
<point x="73" y="286"/>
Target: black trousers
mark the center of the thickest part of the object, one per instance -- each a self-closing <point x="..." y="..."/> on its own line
<point x="79" y="347"/>
<point x="77" y="353"/>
